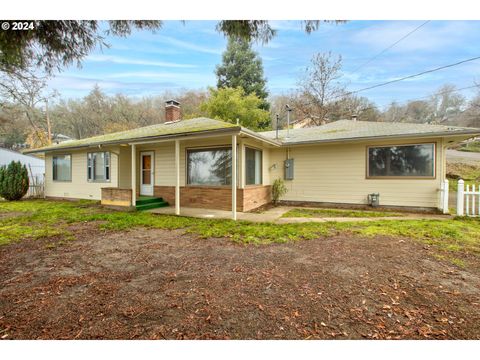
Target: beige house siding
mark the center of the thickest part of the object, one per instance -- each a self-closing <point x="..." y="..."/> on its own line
<point x="125" y="167"/>
<point x="165" y="158"/>
<point x="79" y="187"/>
<point x="334" y="173"/>
<point x="337" y="174"/>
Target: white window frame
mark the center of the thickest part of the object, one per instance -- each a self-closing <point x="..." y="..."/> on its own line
<point x="91" y="167"/>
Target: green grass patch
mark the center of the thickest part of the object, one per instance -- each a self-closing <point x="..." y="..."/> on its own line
<point x="322" y="213"/>
<point x="471" y="147"/>
<point x="469" y="173"/>
<point x="44" y="219"/>
<point x="457" y="235"/>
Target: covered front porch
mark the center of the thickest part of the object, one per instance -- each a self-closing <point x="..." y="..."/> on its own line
<point x="222" y="172"/>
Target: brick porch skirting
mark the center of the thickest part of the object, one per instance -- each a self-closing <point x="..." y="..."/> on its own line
<point x="116" y="196"/>
<point x="216" y="197"/>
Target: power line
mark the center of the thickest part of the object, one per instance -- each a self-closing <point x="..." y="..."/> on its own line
<point x="441" y="93"/>
<point x="405" y="102"/>
<point x="391" y="46"/>
<point x="408" y="77"/>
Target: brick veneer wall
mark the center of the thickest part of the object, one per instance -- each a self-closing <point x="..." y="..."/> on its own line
<point x="216" y="197"/>
<point x="116" y="196"/>
<point x="256" y="196"/>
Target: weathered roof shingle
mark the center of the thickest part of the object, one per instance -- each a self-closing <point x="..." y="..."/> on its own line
<point x="356" y="130"/>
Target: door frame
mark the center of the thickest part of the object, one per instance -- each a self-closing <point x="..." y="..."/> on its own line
<point x="147" y="190"/>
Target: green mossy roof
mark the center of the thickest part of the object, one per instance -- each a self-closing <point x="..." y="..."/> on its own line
<point x="352" y="130"/>
<point x="158" y="130"/>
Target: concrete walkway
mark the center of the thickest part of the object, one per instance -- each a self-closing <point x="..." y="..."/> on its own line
<point x="270" y="215"/>
<point x="275" y="215"/>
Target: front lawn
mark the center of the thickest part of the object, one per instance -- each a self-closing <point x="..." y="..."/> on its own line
<point x="469" y="173"/>
<point x="329" y="213"/>
<point x="57" y="219"/>
<point x="74" y="270"/>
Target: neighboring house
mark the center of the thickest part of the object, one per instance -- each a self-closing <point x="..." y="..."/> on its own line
<point x="58" y="138"/>
<point x="213" y="164"/>
<point x="303" y="123"/>
<point x="35" y="165"/>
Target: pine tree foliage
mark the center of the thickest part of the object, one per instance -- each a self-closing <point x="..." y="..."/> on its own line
<point x="242" y="67"/>
<point x="13" y="181"/>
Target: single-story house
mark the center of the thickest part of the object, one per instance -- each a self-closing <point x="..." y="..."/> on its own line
<point x="213" y="164"/>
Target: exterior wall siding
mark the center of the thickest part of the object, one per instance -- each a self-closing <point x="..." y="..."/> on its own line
<point x="79" y="187"/>
<point x="337" y="174"/>
<point x="334" y="173"/>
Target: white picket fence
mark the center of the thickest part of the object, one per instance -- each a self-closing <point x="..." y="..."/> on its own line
<point x="468" y="199"/>
<point x="36" y="189"/>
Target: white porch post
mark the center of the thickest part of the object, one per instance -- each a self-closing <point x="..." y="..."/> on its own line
<point x="445" y="196"/>
<point x="241" y="164"/>
<point x="134" y="176"/>
<point x="234" y="177"/>
<point x="460" y="195"/>
<point x="177" y="175"/>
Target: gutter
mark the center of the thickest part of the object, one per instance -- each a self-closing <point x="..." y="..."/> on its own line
<point x="233" y="129"/>
<point x="260" y="137"/>
<point x="400" y="136"/>
<point x="239" y="129"/>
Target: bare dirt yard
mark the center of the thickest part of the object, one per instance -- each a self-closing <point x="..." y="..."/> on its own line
<point x="162" y="284"/>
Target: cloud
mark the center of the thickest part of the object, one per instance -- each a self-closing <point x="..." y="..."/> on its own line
<point x="189" y="77"/>
<point x="132" y="83"/>
<point x="188" y="45"/>
<point x="431" y="37"/>
<point x="131" y="61"/>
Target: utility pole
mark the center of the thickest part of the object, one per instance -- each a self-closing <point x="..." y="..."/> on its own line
<point x="49" y="126"/>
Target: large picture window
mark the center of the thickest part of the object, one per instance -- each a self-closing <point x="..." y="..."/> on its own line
<point x="209" y="166"/>
<point x="98" y="166"/>
<point x="62" y="167"/>
<point x="253" y="166"/>
<point x="401" y="161"/>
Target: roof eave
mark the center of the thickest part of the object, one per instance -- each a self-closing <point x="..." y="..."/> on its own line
<point x="399" y="136"/>
<point x="233" y="129"/>
<point x="257" y="136"/>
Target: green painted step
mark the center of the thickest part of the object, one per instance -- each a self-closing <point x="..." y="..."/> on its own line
<point x="143" y="200"/>
<point x="152" y="205"/>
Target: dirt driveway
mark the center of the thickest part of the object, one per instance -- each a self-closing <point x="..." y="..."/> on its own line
<point x="165" y="284"/>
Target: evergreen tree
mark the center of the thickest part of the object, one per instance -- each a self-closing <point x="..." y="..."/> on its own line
<point x="13" y="181"/>
<point x="242" y="67"/>
<point x="230" y="104"/>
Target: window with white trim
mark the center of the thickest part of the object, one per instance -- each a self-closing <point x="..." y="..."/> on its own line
<point x="253" y="166"/>
<point x="98" y="166"/>
<point x="401" y="161"/>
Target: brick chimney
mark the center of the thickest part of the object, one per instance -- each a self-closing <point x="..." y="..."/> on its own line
<point x="172" y="111"/>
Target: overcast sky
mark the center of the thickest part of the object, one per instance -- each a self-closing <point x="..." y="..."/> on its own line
<point x="184" y="55"/>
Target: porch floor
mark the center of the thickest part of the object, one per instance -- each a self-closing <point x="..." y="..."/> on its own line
<point x="269" y="215"/>
<point x="275" y="215"/>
